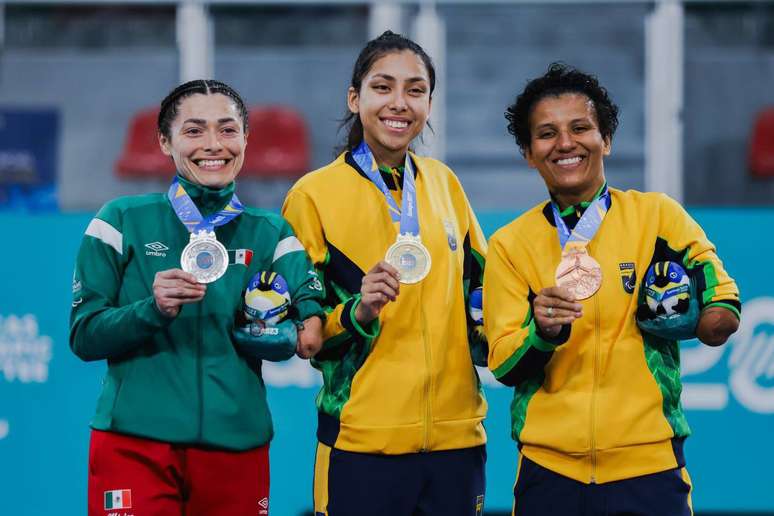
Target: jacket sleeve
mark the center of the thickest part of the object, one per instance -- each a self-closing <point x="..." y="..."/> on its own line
<point x="682" y="235"/>
<point x="99" y="327"/>
<point x="292" y="262"/>
<point x="517" y="350"/>
<point x="474" y="248"/>
<point x="339" y="305"/>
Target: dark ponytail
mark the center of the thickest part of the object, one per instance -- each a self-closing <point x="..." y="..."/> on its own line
<point x="374" y="50"/>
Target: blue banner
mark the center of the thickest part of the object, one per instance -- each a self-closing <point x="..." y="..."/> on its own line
<point x="28" y="159"/>
<point x="48" y="396"/>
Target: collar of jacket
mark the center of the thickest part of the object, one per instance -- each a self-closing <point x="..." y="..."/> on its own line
<point x="386" y="175"/>
<point x="572" y="214"/>
<point x="208" y="200"/>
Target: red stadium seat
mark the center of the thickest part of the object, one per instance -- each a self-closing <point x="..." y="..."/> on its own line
<point x="762" y="144"/>
<point x="278" y="146"/>
<point x="141" y="156"/>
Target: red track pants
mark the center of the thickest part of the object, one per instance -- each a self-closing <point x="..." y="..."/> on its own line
<point x="131" y="476"/>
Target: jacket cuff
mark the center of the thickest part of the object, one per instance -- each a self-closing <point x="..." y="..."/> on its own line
<point x="371" y="331"/>
<point x="309" y="308"/>
<point x="727" y="306"/>
<point x="544" y="343"/>
<point x="150" y="315"/>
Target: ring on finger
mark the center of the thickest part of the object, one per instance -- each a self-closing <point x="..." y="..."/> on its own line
<point x="550" y="312"/>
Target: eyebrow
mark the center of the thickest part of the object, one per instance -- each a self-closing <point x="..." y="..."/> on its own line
<point x="573" y="121"/>
<point x="200" y="121"/>
<point x="391" y="78"/>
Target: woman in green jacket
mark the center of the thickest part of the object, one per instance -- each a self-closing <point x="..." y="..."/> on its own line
<point x="183" y="405"/>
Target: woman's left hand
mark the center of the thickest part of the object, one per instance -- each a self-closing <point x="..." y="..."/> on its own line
<point x="310" y="338"/>
<point x="716" y="324"/>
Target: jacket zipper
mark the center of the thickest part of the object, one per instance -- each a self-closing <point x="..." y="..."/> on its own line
<point x="594" y="391"/>
<point x="428" y="378"/>
<point x="199" y="378"/>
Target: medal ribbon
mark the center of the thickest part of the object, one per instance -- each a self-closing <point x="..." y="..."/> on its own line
<point x="192" y="218"/>
<point x="588" y="224"/>
<point x="408" y="217"/>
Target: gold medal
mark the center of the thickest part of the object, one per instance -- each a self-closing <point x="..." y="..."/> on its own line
<point x="410" y="257"/>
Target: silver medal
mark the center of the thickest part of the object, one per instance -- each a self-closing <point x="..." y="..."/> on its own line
<point x="204" y="257"/>
<point x="410" y="257"/>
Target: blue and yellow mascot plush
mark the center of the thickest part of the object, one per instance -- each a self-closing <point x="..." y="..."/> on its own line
<point x="667" y="304"/>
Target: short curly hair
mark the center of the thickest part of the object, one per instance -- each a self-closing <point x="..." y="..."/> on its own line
<point x="559" y="79"/>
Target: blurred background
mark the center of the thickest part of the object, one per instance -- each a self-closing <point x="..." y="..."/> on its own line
<point x="80" y="83"/>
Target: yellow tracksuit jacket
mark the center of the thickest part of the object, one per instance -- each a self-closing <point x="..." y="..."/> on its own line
<point x="601" y="402"/>
<point x="406" y="383"/>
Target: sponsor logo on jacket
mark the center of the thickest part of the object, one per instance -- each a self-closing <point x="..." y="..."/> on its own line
<point x="156" y="249"/>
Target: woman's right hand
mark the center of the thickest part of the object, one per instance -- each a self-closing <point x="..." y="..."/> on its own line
<point x="555" y="307"/>
<point x="380" y="286"/>
<point x="173" y="288"/>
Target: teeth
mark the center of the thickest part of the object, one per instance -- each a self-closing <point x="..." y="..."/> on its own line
<point x="396" y="124"/>
<point x="569" y="161"/>
<point x="212" y="162"/>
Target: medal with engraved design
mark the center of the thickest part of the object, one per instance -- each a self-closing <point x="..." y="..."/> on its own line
<point x="204" y="257"/>
<point x="407" y="254"/>
<point x="410" y="257"/>
<point x="579" y="273"/>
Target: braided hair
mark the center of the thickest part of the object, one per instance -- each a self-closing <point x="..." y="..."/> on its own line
<point x="169" y="105"/>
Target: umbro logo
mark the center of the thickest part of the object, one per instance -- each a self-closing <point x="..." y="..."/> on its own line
<point x="264" y="504"/>
<point x="156" y="249"/>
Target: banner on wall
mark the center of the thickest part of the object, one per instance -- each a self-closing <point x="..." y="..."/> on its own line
<point x="48" y="396"/>
<point x="28" y="159"/>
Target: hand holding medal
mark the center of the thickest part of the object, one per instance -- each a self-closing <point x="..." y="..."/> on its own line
<point x="380" y="286"/>
<point x="204" y="257"/>
<point x="407" y="255"/>
<point x="578" y="276"/>
<point x="554" y="307"/>
<point x="174" y="288"/>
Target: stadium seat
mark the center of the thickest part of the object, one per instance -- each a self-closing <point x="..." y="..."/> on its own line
<point x="141" y="156"/>
<point x="762" y="145"/>
<point x="279" y="144"/>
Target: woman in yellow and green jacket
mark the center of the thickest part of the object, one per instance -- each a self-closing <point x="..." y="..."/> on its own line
<point x="596" y="409"/>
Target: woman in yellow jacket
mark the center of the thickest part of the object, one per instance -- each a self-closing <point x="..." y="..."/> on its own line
<point x="399" y="252"/>
<point x="596" y="408"/>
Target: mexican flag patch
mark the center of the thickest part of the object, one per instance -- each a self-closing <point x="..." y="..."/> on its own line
<point x="240" y="256"/>
<point x="120" y="499"/>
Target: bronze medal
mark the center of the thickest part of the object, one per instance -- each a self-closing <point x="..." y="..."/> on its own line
<point x="579" y="273"/>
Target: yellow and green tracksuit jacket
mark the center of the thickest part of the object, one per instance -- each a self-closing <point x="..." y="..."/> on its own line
<point x="601" y="401"/>
<point x="406" y="382"/>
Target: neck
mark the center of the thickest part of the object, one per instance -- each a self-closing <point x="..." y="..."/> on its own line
<point x="208" y="200"/>
<point x="567" y="199"/>
<point x="386" y="157"/>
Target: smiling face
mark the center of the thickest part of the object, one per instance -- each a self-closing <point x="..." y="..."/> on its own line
<point x="393" y="105"/>
<point x="567" y="148"/>
<point x="207" y="140"/>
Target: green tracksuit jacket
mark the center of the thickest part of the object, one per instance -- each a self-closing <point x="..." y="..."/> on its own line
<point x="179" y="380"/>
